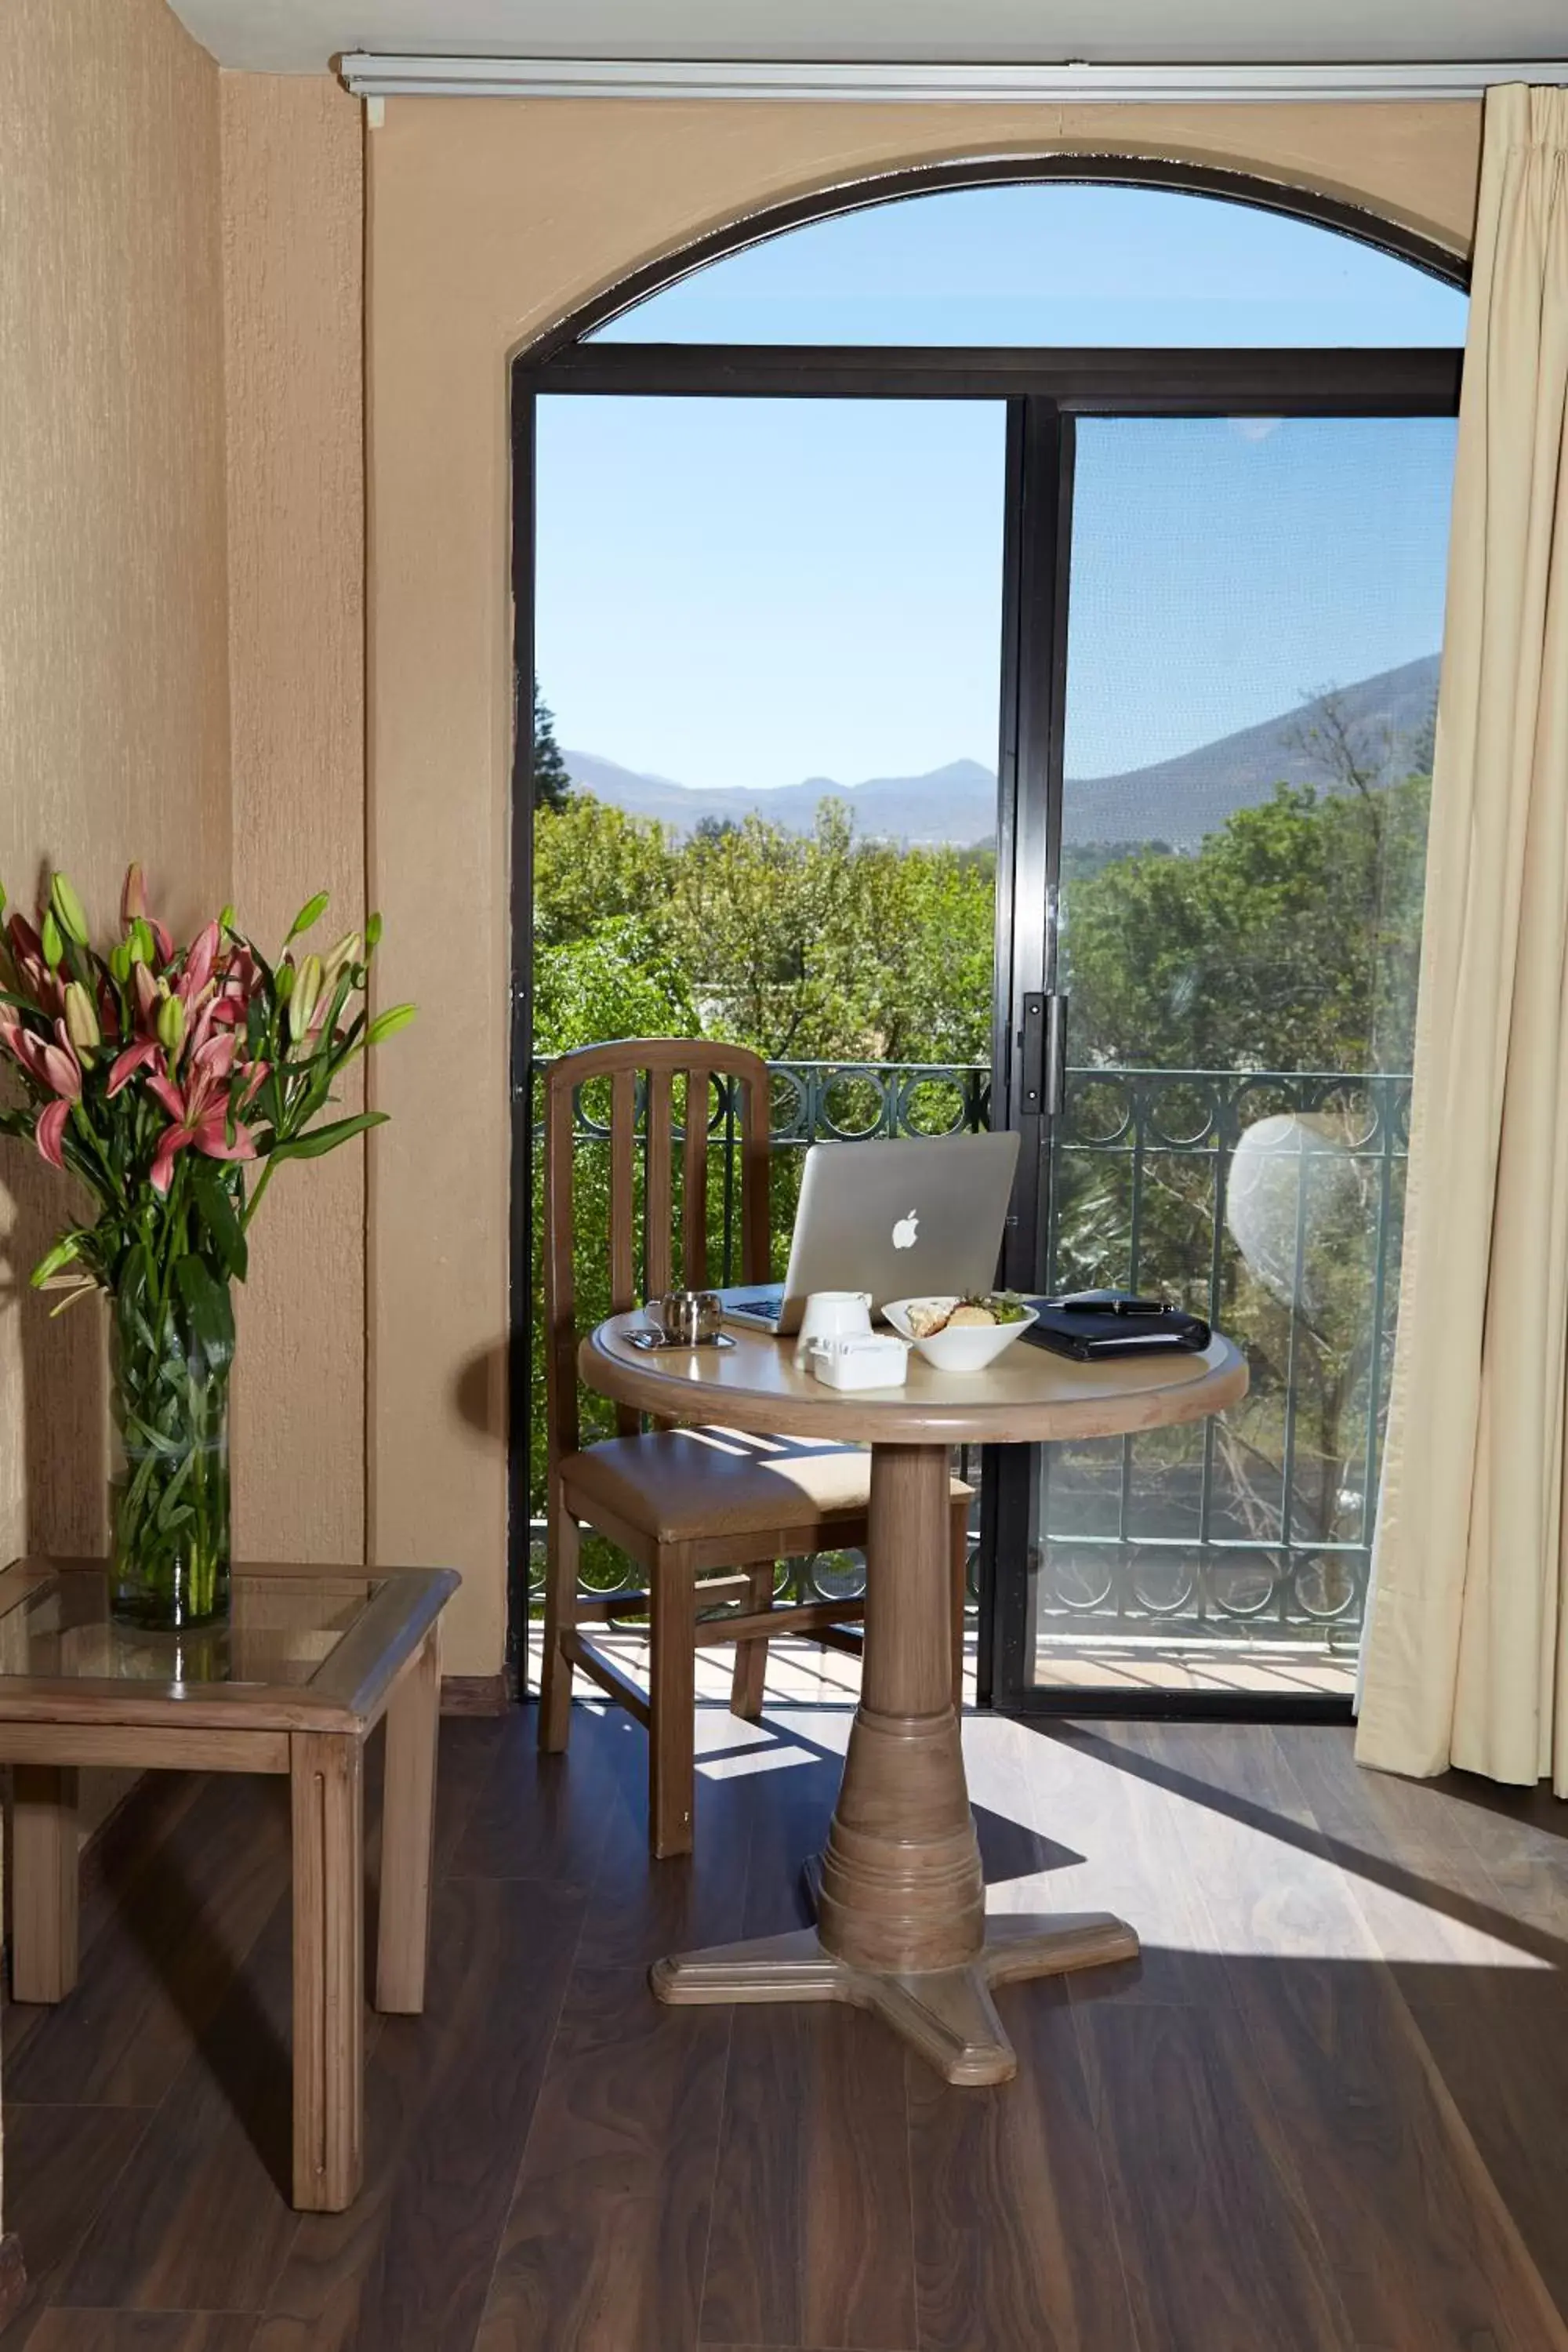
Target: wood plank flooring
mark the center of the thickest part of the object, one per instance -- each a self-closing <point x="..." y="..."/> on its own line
<point x="1328" y="2112"/>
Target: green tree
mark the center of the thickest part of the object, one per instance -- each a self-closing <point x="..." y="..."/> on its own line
<point x="615" y="982"/>
<point x="827" y="946"/>
<point x="1289" y="940"/>
<point x="552" y="781"/>
<point x="593" y="864"/>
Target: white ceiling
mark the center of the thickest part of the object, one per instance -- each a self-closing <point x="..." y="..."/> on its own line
<point x="303" y="36"/>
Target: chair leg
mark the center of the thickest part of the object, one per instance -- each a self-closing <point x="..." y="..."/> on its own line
<point x="960" y="1528"/>
<point x="752" y="1658"/>
<point x="559" y="1614"/>
<point x="672" y="1706"/>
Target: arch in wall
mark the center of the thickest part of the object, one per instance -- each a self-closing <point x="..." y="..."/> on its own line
<point x="567" y="355"/>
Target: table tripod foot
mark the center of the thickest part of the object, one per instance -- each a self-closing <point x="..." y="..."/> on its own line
<point x="946" y="2014"/>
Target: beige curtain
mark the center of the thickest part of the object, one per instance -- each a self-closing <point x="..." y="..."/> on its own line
<point x="1466" y="1655"/>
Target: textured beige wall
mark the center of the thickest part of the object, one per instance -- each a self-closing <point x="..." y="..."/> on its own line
<point x="293" y="247"/>
<point x="489" y="221"/>
<point x="113" y="635"/>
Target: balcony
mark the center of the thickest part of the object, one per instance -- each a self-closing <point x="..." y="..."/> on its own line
<point x="1269" y="1202"/>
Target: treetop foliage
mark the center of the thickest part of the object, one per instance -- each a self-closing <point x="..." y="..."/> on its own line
<point x="551" y="780"/>
<point x="1290" y="940"/>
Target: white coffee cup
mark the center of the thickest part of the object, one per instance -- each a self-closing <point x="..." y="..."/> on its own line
<point x="831" y="1315"/>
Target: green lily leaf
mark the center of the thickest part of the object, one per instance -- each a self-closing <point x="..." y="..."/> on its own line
<point x="221" y="1219"/>
<point x="322" y="1140"/>
<point x="208" y="1304"/>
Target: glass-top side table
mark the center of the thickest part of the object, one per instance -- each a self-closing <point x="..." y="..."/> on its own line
<point x="310" y="1662"/>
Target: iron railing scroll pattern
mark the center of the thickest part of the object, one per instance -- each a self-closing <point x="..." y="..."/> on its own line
<point x="1268" y="1200"/>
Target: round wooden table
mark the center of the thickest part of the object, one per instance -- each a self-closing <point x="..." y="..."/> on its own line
<point x="901" y="1926"/>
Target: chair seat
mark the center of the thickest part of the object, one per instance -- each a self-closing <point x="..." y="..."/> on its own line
<point x="679" y="1483"/>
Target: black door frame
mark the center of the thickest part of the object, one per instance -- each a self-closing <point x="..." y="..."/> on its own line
<point x="1044" y="390"/>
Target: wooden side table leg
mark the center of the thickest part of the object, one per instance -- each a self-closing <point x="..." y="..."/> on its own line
<point x="328" y="1804"/>
<point x="47" y="1871"/>
<point x="407" y="1829"/>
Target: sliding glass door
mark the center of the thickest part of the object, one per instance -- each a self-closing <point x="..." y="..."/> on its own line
<point x="1246" y="635"/>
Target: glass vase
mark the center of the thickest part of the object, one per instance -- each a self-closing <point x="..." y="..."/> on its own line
<point x="168" y="1490"/>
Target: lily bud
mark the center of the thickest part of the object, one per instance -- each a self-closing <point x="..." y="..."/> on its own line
<point x="120" y="962"/>
<point x="307" y="991"/>
<point x="388" y="1024"/>
<point x="347" y="952"/>
<point x="54" y="947"/>
<point x="286" y="976"/>
<point x="69" y="909"/>
<point x="143" y="946"/>
<point x="81" y="1020"/>
<point x="373" y="934"/>
<point x="134" y="899"/>
<point x="225" y="921"/>
<point x="310" y="912"/>
<point x="171" y="1025"/>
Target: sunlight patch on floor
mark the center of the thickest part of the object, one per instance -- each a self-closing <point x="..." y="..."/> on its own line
<point x="1187" y="1874"/>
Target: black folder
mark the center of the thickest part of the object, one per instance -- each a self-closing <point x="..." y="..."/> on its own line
<point x="1096" y="1327"/>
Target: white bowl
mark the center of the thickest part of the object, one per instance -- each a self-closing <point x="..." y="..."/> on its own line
<point x="969" y="1348"/>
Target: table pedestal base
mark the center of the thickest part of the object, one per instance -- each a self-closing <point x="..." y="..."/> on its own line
<point x="947" y="2014"/>
<point x="899" y="1901"/>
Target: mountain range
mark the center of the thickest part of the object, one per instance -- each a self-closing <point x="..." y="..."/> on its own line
<point x="1175" y="800"/>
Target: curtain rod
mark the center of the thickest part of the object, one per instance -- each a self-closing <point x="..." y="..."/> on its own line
<point x="369" y="76"/>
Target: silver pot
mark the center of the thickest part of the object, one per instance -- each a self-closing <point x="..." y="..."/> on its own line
<point x="688" y="1317"/>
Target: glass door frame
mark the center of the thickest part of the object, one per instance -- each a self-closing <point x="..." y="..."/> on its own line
<point x="1030" y="1033"/>
<point x="1045" y="390"/>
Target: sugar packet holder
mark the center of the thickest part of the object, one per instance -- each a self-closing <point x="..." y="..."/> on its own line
<point x="858" y="1359"/>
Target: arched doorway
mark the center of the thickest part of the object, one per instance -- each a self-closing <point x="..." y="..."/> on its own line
<point x="1173" y="445"/>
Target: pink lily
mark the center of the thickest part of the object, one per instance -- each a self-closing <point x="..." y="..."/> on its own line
<point x="143" y="1055"/>
<point x="27" y="953"/>
<point x="199" y="1112"/>
<point x="199" y="965"/>
<point x="49" y="1134"/>
<point x="147" y="997"/>
<point x="50" y="1065"/>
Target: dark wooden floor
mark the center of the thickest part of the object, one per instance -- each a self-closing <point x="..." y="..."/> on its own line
<point x="1329" y="2109"/>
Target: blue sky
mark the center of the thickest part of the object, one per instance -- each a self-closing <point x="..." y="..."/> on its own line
<point x="1050" y="263"/>
<point x="754" y="592"/>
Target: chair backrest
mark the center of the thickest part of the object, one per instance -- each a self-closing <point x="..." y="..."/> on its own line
<point x="641" y="1073"/>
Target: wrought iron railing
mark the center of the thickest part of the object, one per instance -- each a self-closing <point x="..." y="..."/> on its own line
<point x="1271" y="1203"/>
<point x="1257" y="1528"/>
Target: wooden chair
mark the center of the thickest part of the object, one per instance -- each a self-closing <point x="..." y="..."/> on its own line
<point x="682" y="1502"/>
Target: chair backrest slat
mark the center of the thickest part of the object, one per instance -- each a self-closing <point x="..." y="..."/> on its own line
<point x="662" y="1061"/>
<point x="623" y="1215"/>
<point x="694" y="1191"/>
<point x="756" y="1206"/>
<point x="657" y="1209"/>
<point x="623" y="1211"/>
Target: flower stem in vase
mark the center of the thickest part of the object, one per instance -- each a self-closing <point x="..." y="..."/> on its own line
<point x="172" y="1346"/>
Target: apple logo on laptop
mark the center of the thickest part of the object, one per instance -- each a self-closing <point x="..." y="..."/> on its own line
<point x="904" y="1234"/>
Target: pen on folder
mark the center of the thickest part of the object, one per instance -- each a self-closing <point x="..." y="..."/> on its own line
<point x="1110" y="1305"/>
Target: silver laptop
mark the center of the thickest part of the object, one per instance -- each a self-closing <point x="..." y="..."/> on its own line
<point x="897" y="1219"/>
